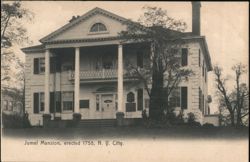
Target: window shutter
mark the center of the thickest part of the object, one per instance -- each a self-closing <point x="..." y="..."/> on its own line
<point x="58" y="102"/>
<point x="36" y="65"/>
<point x="36" y="103"/>
<point x="184" y="56"/>
<point x="199" y="57"/>
<point x="184" y="97"/>
<point x="73" y="102"/>
<point x="200" y="98"/>
<point x="52" y="102"/>
<point x="140" y="99"/>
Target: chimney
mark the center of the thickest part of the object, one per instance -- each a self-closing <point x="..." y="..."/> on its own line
<point x="196" y="17"/>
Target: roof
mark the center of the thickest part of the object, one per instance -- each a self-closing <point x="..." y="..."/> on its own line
<point x="37" y="48"/>
<point x="77" y="20"/>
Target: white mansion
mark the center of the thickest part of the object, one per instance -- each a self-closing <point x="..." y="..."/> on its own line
<point x="80" y="68"/>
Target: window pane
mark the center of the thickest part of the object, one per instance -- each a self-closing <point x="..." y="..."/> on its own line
<point x="102" y="27"/>
<point x="67" y="98"/>
<point x="41" y="101"/>
<point x="42" y="65"/>
<point x="67" y="105"/>
<point x="84" y="103"/>
<point x="174" y="100"/>
<point x="98" y="27"/>
<point x="94" y="28"/>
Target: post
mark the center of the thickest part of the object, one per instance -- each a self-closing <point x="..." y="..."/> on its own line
<point x="46" y="115"/>
<point x="46" y="83"/>
<point x="77" y="79"/>
<point x="120" y="113"/>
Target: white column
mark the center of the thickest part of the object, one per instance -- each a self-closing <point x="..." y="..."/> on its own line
<point x="120" y="79"/>
<point x="47" y="82"/>
<point x="77" y="79"/>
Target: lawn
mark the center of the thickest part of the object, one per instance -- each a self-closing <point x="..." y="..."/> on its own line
<point x="129" y="132"/>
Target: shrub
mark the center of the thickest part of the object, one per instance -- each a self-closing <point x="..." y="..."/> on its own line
<point x="191" y="120"/>
<point x="191" y="117"/>
<point x="208" y="125"/>
<point x="15" y="121"/>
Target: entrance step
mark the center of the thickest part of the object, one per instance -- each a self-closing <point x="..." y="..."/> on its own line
<point x="97" y="123"/>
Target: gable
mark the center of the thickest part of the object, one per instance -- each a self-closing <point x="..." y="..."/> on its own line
<point x="80" y="27"/>
<point x="82" y="30"/>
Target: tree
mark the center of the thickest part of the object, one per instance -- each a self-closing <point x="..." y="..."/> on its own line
<point x="12" y="33"/>
<point x="164" y="71"/>
<point x="12" y="30"/>
<point x="235" y="101"/>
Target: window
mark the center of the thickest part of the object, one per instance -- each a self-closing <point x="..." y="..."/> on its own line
<point x="38" y="102"/>
<point x="130" y="105"/>
<point x="139" y="59"/>
<point x="39" y="65"/>
<point x="130" y="97"/>
<point x="98" y="27"/>
<point x="174" y="100"/>
<point x="68" y="102"/>
<point x="184" y="56"/>
<point x="184" y="97"/>
<point x="84" y="104"/>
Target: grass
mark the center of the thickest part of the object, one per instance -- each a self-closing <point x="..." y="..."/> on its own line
<point x="135" y="132"/>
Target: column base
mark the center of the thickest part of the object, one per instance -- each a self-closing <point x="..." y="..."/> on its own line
<point x="77" y="116"/>
<point x="119" y="118"/>
<point x="46" y="120"/>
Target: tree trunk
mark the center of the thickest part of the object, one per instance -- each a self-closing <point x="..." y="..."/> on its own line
<point x="156" y="105"/>
<point x="232" y="119"/>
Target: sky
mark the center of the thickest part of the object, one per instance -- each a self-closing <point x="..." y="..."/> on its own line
<point x="225" y="25"/>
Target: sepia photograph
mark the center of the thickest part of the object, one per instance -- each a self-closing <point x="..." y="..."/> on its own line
<point x="124" y="81"/>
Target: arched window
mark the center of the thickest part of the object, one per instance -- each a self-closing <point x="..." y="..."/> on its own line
<point x="130" y="97"/>
<point x="98" y="27"/>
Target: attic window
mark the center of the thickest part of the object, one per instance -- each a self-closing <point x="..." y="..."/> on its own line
<point x="98" y="27"/>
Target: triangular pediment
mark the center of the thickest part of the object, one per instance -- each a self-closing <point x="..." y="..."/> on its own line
<point x="80" y="27"/>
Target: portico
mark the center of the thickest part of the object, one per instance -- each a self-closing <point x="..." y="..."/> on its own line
<point x="77" y="58"/>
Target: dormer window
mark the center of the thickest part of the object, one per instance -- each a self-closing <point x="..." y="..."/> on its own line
<point x="98" y="27"/>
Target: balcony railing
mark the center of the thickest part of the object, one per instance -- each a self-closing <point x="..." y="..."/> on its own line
<point x="95" y="74"/>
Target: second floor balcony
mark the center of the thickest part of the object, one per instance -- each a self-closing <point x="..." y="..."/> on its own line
<point x="95" y="74"/>
<point x="101" y="75"/>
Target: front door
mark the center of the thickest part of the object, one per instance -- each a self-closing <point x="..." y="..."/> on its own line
<point x="108" y="106"/>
